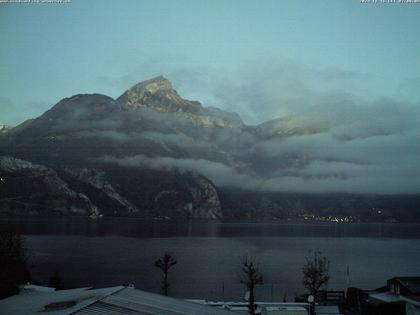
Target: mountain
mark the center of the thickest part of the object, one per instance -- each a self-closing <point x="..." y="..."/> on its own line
<point x="159" y="95"/>
<point x="151" y="153"/>
<point x="149" y="118"/>
<point x="36" y="190"/>
<point x="33" y="189"/>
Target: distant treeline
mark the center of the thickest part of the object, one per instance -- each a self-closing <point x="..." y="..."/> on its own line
<point x="239" y="204"/>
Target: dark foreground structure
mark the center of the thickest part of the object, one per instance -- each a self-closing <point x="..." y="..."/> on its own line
<point x="130" y="301"/>
<point x="400" y="296"/>
<point x="87" y="301"/>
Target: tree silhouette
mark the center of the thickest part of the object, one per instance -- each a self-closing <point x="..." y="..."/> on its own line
<point x="250" y="277"/>
<point x="316" y="272"/>
<point x="166" y="262"/>
<point x="55" y="281"/>
<point x="13" y="262"/>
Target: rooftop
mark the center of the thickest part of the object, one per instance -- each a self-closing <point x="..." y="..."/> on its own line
<point x="411" y="283"/>
<point x="130" y="301"/>
<point x="113" y="300"/>
<point x="33" y="301"/>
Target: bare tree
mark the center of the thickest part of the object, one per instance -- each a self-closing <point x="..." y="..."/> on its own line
<point x="250" y="277"/>
<point x="316" y="272"/>
<point x="166" y="262"/>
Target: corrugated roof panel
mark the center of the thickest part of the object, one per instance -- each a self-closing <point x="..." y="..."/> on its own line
<point x="101" y="308"/>
<point x="151" y="303"/>
<point x="33" y="302"/>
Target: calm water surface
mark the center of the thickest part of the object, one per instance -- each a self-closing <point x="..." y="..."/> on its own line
<point x="116" y="251"/>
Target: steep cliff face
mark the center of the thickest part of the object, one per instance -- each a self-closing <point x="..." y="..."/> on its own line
<point x="195" y="198"/>
<point x="98" y="188"/>
<point x="205" y="200"/>
<point x="33" y="189"/>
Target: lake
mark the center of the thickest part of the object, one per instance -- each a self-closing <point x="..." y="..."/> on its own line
<point x="111" y="252"/>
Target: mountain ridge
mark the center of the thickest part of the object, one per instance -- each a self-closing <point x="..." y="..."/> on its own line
<point x="176" y="155"/>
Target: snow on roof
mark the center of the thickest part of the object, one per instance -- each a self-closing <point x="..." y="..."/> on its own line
<point x="385" y="297"/>
<point x="114" y="300"/>
<point x="286" y="310"/>
<point x="36" y="301"/>
<point x="30" y="288"/>
<point x="134" y="301"/>
<point x="277" y="308"/>
<point x="327" y="310"/>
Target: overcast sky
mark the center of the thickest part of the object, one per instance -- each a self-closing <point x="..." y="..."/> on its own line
<point x="226" y="53"/>
<point x="349" y="70"/>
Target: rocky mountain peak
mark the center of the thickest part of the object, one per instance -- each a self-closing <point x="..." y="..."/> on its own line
<point x="159" y="83"/>
<point x="158" y="94"/>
